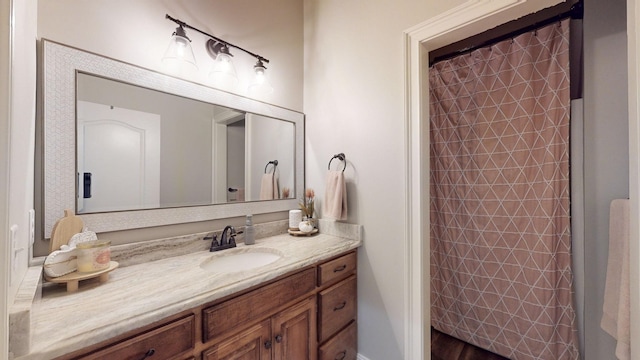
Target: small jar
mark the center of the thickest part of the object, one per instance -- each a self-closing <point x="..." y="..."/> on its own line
<point x="306" y="226"/>
<point x="93" y="255"/>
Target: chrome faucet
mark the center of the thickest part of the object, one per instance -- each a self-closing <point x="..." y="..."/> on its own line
<point x="227" y="239"/>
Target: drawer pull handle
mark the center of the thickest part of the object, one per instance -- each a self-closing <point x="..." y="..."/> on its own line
<point x="278" y="339"/>
<point x="339" y="268"/>
<point x="267" y="344"/>
<point x="341" y="355"/>
<point x="341" y="306"/>
<point x="149" y="353"/>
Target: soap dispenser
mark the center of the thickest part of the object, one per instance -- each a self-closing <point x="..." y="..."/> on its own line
<point x="249" y="232"/>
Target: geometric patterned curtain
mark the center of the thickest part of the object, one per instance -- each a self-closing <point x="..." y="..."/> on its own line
<point x="500" y="216"/>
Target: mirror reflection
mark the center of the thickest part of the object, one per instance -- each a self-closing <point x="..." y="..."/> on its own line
<point x="139" y="148"/>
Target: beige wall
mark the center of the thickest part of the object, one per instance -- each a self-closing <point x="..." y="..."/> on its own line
<point x="633" y="43"/>
<point x="22" y="137"/>
<point x="606" y="153"/>
<point x="17" y="126"/>
<point x="137" y="32"/>
<point x="354" y="95"/>
<point x="354" y="103"/>
<point x="5" y="73"/>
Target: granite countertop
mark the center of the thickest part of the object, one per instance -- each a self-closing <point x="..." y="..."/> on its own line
<point x="138" y="295"/>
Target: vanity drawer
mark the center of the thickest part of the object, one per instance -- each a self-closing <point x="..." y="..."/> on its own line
<point x="343" y="346"/>
<point x="164" y="342"/>
<point x="235" y="313"/>
<point x="337" y="306"/>
<point x="336" y="269"/>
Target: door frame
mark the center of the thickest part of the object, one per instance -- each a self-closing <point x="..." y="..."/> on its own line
<point x="6" y="38"/>
<point x="633" y="56"/>
<point x="470" y="18"/>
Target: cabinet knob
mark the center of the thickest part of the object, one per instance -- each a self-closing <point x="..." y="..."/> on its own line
<point x="340" y="306"/>
<point x="267" y="344"/>
<point x="341" y="355"/>
<point x="339" y="268"/>
<point x="149" y="353"/>
<point x="278" y="338"/>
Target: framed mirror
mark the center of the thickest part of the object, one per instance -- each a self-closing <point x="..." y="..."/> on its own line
<point x="128" y="147"/>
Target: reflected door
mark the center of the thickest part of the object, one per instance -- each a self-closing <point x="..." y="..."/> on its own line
<point x="119" y="165"/>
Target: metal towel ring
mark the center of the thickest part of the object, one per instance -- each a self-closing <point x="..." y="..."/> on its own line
<point x="340" y="156"/>
<point x="275" y="164"/>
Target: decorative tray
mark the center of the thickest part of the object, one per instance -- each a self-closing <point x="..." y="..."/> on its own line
<point x="300" y="233"/>
<point x="73" y="278"/>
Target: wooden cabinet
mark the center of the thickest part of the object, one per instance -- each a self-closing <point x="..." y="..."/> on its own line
<point x="308" y="314"/>
<point x="337" y="309"/>
<point x="327" y="319"/>
<point x="342" y="346"/>
<point x="294" y="332"/>
<point x="337" y="269"/>
<point x="289" y="334"/>
<point x="236" y="313"/>
<point x="253" y="343"/>
<point x="165" y="342"/>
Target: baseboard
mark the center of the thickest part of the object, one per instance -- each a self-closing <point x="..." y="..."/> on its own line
<point x="361" y="357"/>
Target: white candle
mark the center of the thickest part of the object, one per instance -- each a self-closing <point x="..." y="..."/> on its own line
<point x="295" y="216"/>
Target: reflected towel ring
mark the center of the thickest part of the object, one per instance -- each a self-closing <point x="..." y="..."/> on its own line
<point x="275" y="164"/>
<point x="340" y="156"/>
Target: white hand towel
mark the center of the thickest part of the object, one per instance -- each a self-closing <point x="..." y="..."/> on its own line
<point x="616" y="315"/>
<point x="269" y="187"/>
<point x="335" y="197"/>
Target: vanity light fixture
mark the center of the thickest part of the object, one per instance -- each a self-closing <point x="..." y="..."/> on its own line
<point x="179" y="50"/>
<point x="260" y="84"/>
<point x="223" y="71"/>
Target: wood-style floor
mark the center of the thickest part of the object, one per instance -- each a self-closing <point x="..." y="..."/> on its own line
<point x="445" y="347"/>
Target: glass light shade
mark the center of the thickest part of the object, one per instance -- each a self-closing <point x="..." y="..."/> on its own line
<point x="179" y="52"/>
<point x="223" y="73"/>
<point x="260" y="84"/>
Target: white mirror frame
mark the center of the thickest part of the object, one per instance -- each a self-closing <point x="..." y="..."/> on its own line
<point x="60" y="64"/>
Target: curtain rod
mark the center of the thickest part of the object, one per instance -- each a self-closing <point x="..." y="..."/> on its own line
<point x="575" y="12"/>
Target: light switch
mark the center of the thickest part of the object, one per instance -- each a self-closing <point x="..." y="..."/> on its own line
<point x="15" y="250"/>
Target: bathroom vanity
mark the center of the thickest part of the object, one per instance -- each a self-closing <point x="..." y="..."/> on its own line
<point x="277" y="320"/>
<point x="172" y="304"/>
<point x="302" y="306"/>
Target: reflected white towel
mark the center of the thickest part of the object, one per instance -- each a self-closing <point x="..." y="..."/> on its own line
<point x="335" y="197"/>
<point x="269" y="187"/>
<point x="616" y="315"/>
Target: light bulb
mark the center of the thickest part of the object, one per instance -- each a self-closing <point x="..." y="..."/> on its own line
<point x="179" y="52"/>
<point x="260" y="84"/>
<point x="223" y="72"/>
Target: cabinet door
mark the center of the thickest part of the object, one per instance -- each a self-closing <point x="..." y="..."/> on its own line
<point x="294" y="332"/>
<point x="233" y="315"/>
<point x="165" y="342"/>
<point x="343" y="346"/>
<point x="337" y="269"/>
<point x="337" y="306"/>
<point x="251" y="344"/>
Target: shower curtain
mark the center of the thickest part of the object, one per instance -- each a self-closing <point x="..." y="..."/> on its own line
<point x="500" y="224"/>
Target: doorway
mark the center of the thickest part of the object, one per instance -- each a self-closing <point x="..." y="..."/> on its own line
<point x="468" y="19"/>
<point x="118" y="158"/>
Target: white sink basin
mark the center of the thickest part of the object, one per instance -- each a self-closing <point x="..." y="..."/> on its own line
<point x="229" y="261"/>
